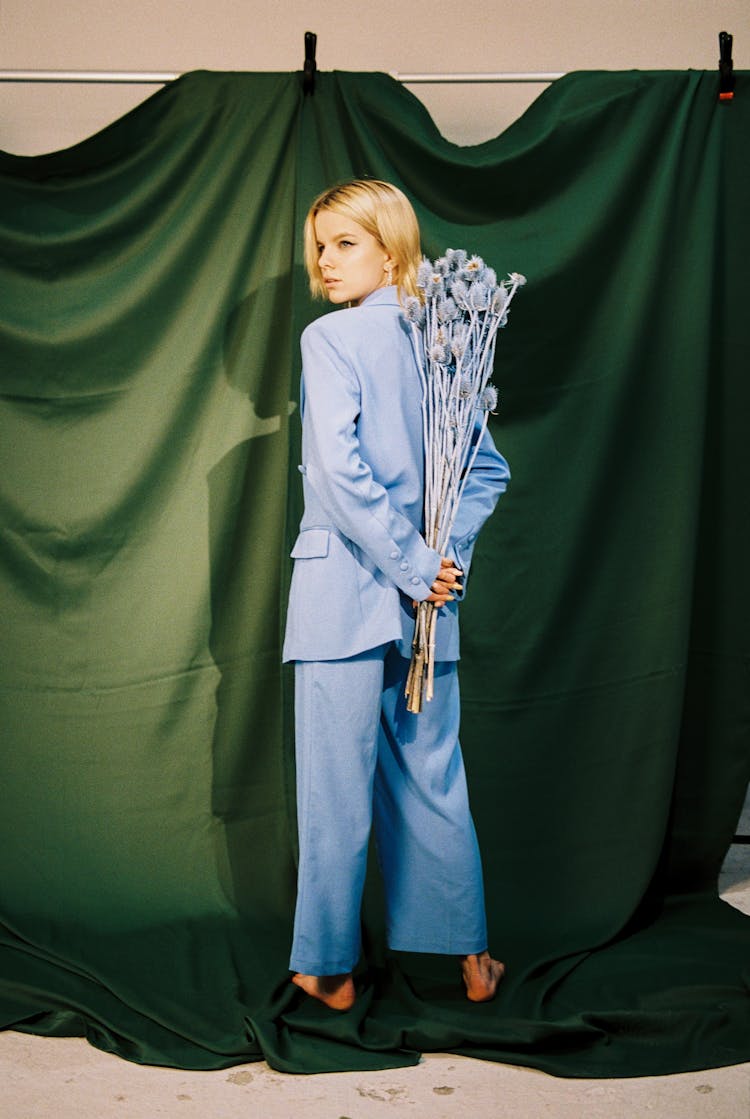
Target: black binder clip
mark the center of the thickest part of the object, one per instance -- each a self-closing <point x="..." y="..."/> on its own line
<point x="308" y="73"/>
<point x="726" y="67"/>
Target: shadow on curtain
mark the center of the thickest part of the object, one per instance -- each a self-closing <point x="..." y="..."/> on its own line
<point x="152" y="295"/>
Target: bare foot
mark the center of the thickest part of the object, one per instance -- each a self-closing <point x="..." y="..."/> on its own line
<point x="336" y="991"/>
<point x="481" y="976"/>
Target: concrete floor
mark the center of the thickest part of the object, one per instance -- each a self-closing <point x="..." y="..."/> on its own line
<point x="65" y="1078"/>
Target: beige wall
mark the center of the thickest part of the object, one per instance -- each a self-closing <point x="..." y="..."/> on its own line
<point x="391" y="35"/>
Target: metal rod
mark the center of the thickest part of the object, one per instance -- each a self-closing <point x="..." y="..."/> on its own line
<point x="447" y="79"/>
<point x="160" y="78"/>
<point x="86" y="76"/>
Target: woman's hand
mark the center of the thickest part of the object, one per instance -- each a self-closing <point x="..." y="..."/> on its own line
<point x="445" y="582"/>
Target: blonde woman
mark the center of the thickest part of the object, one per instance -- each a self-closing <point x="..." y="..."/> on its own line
<point x="363" y="761"/>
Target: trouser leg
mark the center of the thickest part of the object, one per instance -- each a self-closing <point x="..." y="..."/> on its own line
<point x="337" y="711"/>
<point x="427" y="845"/>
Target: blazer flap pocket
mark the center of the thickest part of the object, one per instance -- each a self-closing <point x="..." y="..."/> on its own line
<point x="311" y="544"/>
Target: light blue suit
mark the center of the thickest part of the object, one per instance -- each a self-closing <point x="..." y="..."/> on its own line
<point x="360" y="560"/>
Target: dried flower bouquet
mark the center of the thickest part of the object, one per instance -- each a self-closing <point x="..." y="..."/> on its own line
<point x="454" y="327"/>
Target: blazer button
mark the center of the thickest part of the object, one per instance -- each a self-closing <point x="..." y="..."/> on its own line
<point x="415" y="580"/>
<point x="395" y="555"/>
<point x="404" y="566"/>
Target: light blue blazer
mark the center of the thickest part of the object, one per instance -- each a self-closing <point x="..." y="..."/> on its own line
<point x="360" y="558"/>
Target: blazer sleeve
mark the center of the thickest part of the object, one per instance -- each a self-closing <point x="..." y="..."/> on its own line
<point x="488" y="479"/>
<point x="357" y="504"/>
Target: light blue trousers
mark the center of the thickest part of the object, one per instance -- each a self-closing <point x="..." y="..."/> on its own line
<point x="363" y="759"/>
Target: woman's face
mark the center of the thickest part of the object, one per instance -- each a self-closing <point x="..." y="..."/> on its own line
<point x="352" y="262"/>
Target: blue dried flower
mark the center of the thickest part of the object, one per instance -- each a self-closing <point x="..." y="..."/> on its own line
<point x="435" y="287"/>
<point x="459" y="339"/>
<point x="447" y="311"/>
<point x="478" y="296"/>
<point x="456" y="258"/>
<point x="490" y="277"/>
<point x="441" y="265"/>
<point x="424" y="272"/>
<point x="499" y="300"/>
<point x="414" y="310"/>
<point x="467" y="388"/>
<point x="473" y="269"/>
<point x="459" y="291"/>
<point x="517" y="278"/>
<point x="439" y="353"/>
<point x="489" y="399"/>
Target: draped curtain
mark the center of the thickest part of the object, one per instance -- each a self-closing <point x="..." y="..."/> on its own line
<point x="151" y="298"/>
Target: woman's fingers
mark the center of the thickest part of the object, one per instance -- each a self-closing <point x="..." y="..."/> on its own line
<point x="446" y="581"/>
<point x="448" y="574"/>
<point x="439" y="596"/>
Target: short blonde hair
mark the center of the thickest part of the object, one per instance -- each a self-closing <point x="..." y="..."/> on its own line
<point x="381" y="209"/>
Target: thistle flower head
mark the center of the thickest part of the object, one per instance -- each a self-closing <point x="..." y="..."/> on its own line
<point x="456" y="258"/>
<point x="414" y="310"/>
<point x="489" y="399"/>
<point x="447" y="311"/>
<point x="439" y="353"/>
<point x="459" y="290"/>
<point x="517" y="279"/>
<point x="459" y="339"/>
<point x="435" y="287"/>
<point x="424" y="272"/>
<point x="466" y="388"/>
<point x="441" y="265"/>
<point x="473" y="269"/>
<point x="499" y="300"/>
<point x="478" y="297"/>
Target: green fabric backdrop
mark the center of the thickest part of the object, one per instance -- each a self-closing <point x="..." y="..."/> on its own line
<point x="151" y="296"/>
